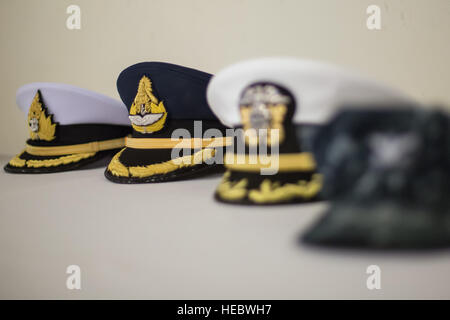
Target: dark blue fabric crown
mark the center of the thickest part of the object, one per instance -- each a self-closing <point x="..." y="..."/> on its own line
<point x="183" y="90"/>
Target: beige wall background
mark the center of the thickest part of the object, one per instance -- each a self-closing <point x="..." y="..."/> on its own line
<point x="411" y="51"/>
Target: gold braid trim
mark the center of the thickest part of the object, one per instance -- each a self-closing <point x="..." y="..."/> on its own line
<point x="288" y="162"/>
<point x="118" y="169"/>
<point x="18" y="162"/>
<point x="169" y="143"/>
<point x="89" y="147"/>
<point x="269" y="192"/>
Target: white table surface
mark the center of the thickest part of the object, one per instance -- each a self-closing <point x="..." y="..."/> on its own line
<point x="173" y="241"/>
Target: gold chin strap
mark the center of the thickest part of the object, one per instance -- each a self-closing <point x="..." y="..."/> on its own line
<point x="169" y="143"/>
<point x="303" y="161"/>
<point x="94" y="146"/>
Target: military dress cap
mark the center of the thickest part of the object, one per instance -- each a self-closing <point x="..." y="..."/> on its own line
<point x="69" y="127"/>
<point x="386" y="172"/>
<point x="283" y="94"/>
<point x="175" y="134"/>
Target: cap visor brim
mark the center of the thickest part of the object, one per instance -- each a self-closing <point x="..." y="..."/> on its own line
<point x="28" y="163"/>
<point x="131" y="166"/>
<point x="252" y="188"/>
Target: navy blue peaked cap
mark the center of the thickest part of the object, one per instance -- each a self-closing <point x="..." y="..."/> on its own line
<point x="183" y="90"/>
<point x="162" y="98"/>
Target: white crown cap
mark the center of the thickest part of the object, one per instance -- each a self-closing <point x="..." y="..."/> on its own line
<point x="318" y="88"/>
<point x="73" y="105"/>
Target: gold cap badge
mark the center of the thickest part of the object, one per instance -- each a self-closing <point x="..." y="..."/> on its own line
<point x="147" y="113"/>
<point x="263" y="107"/>
<point x="39" y="121"/>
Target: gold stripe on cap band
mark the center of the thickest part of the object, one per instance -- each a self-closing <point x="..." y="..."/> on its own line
<point x="94" y="146"/>
<point x="303" y="161"/>
<point x="169" y="143"/>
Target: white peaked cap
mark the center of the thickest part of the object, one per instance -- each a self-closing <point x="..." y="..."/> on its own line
<point x="318" y="88"/>
<point x="73" y="105"/>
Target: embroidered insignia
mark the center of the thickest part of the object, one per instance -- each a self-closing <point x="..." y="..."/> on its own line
<point x="263" y="109"/>
<point x="147" y="113"/>
<point x="40" y="123"/>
